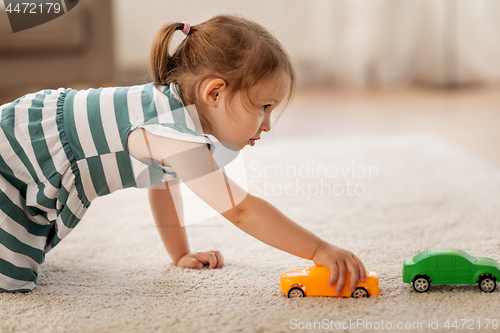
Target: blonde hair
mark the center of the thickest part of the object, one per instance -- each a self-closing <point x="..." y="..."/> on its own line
<point x="230" y="47"/>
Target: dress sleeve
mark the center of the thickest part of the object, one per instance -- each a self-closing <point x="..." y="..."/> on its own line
<point x="180" y="124"/>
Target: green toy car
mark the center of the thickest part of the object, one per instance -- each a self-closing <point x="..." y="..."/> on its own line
<point x="450" y="266"/>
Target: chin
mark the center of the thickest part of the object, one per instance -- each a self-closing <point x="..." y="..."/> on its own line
<point x="233" y="146"/>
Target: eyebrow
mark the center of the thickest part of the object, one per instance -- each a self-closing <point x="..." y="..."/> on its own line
<point x="272" y="100"/>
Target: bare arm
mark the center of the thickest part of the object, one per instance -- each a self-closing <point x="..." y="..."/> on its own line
<point x="167" y="221"/>
<point x="173" y="235"/>
<point x="265" y="222"/>
<point x="194" y="164"/>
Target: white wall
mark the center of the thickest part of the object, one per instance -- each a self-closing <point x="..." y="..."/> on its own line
<point x="137" y="22"/>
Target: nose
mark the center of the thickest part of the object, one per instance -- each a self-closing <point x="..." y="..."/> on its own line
<point x="266" y="123"/>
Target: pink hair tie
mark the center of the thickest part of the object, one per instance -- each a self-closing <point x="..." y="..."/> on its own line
<point x="186" y="28"/>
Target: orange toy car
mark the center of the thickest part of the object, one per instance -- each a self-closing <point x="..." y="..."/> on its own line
<point x="313" y="281"/>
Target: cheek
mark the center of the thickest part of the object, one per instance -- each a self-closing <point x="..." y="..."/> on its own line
<point x="255" y="124"/>
<point x="249" y="123"/>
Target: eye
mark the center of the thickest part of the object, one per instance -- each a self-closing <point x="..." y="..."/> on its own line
<point x="264" y="107"/>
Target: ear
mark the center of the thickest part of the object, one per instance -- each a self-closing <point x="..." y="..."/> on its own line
<point x="214" y="92"/>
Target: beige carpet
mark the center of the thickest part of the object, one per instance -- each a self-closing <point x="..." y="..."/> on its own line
<point x="112" y="274"/>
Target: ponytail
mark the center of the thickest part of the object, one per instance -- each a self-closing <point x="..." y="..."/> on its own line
<point x="162" y="63"/>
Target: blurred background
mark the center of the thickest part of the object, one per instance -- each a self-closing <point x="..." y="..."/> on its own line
<point x="363" y="66"/>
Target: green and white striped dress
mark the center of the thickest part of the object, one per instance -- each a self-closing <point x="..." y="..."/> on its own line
<point x="61" y="149"/>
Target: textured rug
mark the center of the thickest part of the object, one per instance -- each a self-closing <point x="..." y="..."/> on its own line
<point x="384" y="198"/>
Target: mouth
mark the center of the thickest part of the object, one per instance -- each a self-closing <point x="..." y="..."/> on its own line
<point x="252" y="141"/>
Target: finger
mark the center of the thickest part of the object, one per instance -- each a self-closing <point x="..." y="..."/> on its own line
<point x="213" y="260"/>
<point x="352" y="266"/>
<point x="341" y="279"/>
<point x="189" y="263"/>
<point x="334" y="274"/>
<point x="207" y="258"/>
<point x="362" y="269"/>
<point x="220" y="259"/>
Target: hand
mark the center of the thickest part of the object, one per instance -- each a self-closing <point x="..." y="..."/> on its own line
<point x="197" y="260"/>
<point x="336" y="260"/>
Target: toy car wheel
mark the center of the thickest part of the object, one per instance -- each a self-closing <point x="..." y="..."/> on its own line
<point x="296" y="292"/>
<point x="421" y="283"/>
<point x="360" y="292"/>
<point x="487" y="283"/>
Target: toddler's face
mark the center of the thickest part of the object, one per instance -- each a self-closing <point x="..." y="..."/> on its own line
<point x="246" y="115"/>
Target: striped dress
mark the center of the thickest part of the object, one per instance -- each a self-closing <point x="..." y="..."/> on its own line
<point x="61" y="149"/>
